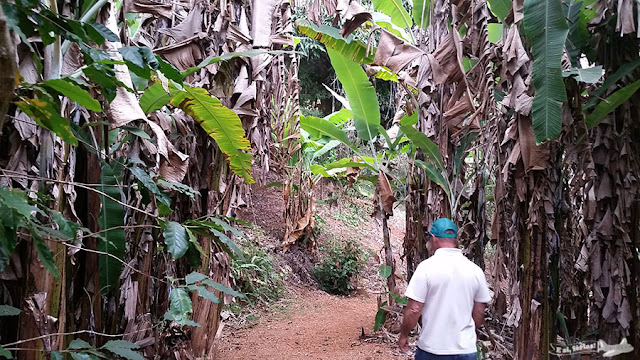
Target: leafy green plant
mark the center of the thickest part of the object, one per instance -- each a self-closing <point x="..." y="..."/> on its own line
<point x="180" y="305"/>
<point x="342" y="263"/>
<point x="256" y="277"/>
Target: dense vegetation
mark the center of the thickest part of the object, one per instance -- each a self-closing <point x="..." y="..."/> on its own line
<point x="131" y="132"/>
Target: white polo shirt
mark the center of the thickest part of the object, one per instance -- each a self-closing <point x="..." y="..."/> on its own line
<point x="448" y="283"/>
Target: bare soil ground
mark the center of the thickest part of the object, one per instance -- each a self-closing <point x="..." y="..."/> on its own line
<point x="309" y="323"/>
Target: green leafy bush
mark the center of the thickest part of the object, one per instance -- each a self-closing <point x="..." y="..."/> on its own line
<point x="338" y="268"/>
<point x="256" y="277"/>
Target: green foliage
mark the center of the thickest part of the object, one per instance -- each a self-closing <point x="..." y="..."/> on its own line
<point x="547" y="29"/>
<point x="381" y="317"/>
<point x="180" y="305"/>
<point x="353" y="50"/>
<point x="221" y="123"/>
<point x="609" y="104"/>
<point x="180" y="308"/>
<point x="123" y="348"/>
<point x="111" y="220"/>
<point x="6" y="310"/>
<point x="587" y="75"/>
<point x="48" y="116"/>
<point x="175" y="236"/>
<point x="623" y="71"/>
<point x="421" y="12"/>
<point x="5" y="353"/>
<point x="384" y="271"/>
<point x="256" y="277"/>
<point x="75" y="93"/>
<point x="360" y="93"/>
<point x="394" y="8"/>
<point x="336" y="271"/>
<point x="500" y="8"/>
<point x="423" y="142"/>
<point x="318" y="127"/>
<point x="18" y="212"/>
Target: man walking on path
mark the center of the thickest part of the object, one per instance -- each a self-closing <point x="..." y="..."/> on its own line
<point x="450" y="292"/>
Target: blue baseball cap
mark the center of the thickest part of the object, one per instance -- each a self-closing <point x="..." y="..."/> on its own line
<point x="440" y="227"/>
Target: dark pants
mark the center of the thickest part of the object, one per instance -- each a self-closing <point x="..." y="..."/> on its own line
<point x="423" y="355"/>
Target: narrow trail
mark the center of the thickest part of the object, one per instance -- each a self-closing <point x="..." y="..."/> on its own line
<point x="316" y="325"/>
<point x="309" y="323"/>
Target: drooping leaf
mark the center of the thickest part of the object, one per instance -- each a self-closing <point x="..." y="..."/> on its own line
<point x="351" y="49"/>
<point x="133" y="55"/>
<point x="494" y="32"/>
<point x="222" y="124"/>
<point x="169" y="70"/>
<point x="360" y="93"/>
<point x="624" y="70"/>
<point x="124" y="349"/>
<point x="546" y="27"/>
<point x="105" y="32"/>
<point x="175" y="236"/>
<point x="381" y="317"/>
<point x="500" y="8"/>
<point x="587" y="75"/>
<point x="434" y="175"/>
<point x="423" y="142"/>
<point x="611" y="103"/>
<point x="6" y="310"/>
<point x="421" y="12"/>
<point x="180" y="307"/>
<point x="154" y="98"/>
<point x="148" y="183"/>
<point x="204" y="293"/>
<point x="222" y="288"/>
<point x="326" y="148"/>
<point x="56" y="355"/>
<point x="111" y="217"/>
<point x="400" y="300"/>
<point x="77" y="344"/>
<point x="228" y="242"/>
<point x="45" y="255"/>
<point x="227" y="227"/>
<point x="5" y="353"/>
<point x="318" y="127"/>
<point x="17" y="201"/>
<point x="49" y="118"/>
<point x="394" y="8"/>
<point x="194" y="277"/>
<point x="136" y="131"/>
<point x="75" y="93"/>
<point x="384" y="271"/>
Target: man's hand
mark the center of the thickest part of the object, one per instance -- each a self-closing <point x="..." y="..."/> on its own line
<point x="403" y="343"/>
<point x="411" y="315"/>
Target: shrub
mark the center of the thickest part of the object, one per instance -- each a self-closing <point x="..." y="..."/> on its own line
<point x="256" y="277"/>
<point x="338" y="268"/>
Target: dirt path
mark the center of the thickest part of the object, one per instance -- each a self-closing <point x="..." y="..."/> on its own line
<point x="309" y="323"/>
<point x="316" y="325"/>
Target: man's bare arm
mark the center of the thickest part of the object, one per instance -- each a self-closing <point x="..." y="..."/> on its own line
<point x="411" y="315"/>
<point x="478" y="313"/>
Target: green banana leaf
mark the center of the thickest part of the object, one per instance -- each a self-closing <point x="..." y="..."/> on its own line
<point x="547" y="29"/>
<point x="360" y="93"/>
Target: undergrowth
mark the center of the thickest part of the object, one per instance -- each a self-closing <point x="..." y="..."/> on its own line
<point x="256" y="277"/>
<point x="341" y="264"/>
